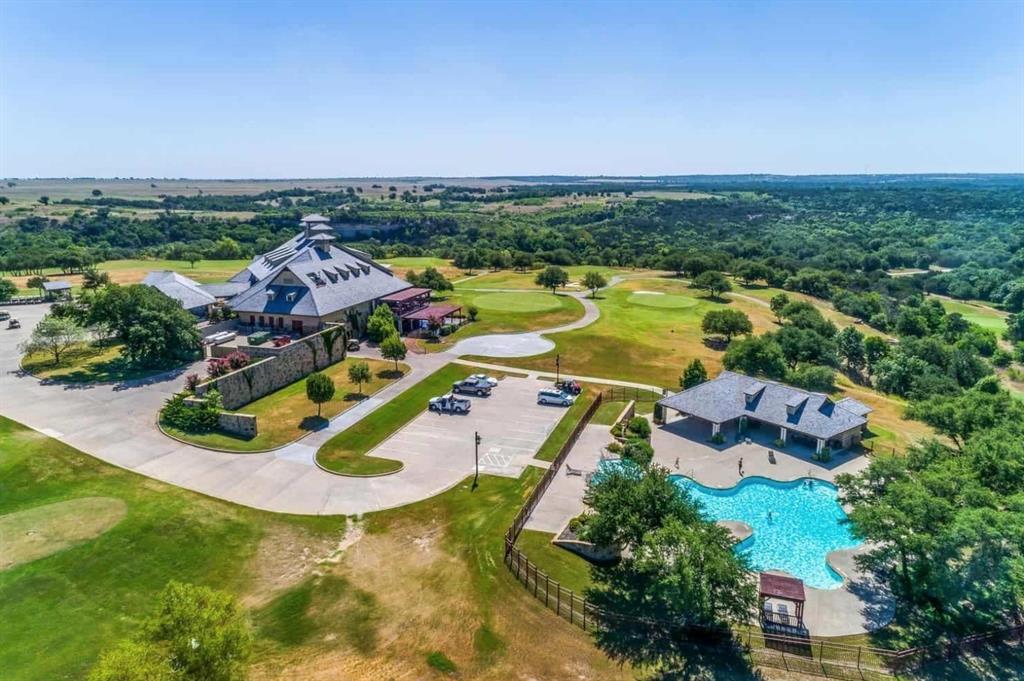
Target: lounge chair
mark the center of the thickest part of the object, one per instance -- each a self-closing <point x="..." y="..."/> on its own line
<point x="569" y="470"/>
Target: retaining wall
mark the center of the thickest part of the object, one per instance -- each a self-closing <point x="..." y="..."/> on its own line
<point x="277" y="367"/>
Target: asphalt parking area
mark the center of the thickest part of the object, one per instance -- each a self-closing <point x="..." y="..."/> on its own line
<point x="512" y="427"/>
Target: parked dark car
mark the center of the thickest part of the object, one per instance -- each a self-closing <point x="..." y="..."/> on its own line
<point x="353" y="345"/>
<point x="471" y="386"/>
<point x="280" y="341"/>
<point x="570" y="386"/>
<point x="14" y="324"/>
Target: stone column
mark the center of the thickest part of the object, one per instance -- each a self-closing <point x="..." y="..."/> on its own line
<point x="821" y="446"/>
<point x="782" y="434"/>
<point x="715" y="429"/>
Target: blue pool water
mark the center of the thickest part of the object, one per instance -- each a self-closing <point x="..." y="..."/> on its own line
<point x="806" y="524"/>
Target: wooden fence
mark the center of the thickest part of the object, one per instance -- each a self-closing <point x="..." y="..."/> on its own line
<point x="805" y="655"/>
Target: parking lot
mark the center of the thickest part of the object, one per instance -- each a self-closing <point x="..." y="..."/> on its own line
<point x="511" y="424"/>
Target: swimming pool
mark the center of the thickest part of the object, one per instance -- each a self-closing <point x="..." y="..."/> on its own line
<point x="795" y="524"/>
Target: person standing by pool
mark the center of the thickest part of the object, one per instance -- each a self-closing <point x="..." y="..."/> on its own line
<point x="741" y="466"/>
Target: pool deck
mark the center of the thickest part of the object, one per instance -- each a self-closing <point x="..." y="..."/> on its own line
<point x="861" y="605"/>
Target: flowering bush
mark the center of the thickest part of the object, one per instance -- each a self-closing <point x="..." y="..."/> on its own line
<point x="191" y="381"/>
<point x="218" y="366"/>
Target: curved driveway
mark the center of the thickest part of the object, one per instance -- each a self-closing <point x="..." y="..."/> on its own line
<point x="116" y="423"/>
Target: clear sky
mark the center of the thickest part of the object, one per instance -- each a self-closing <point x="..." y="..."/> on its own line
<point x="325" y="89"/>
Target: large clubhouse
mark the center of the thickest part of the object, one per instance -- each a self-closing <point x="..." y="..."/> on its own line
<point x="813" y="418"/>
<point x="307" y="283"/>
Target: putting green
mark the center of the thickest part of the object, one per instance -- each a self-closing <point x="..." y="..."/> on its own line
<point x="669" y="300"/>
<point x="517" y="302"/>
<point x="37" y="532"/>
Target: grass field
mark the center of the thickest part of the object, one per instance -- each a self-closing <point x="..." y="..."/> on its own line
<point x="563" y="429"/>
<point x="526" y="280"/>
<point x="509" y="312"/>
<point x="402" y="266"/>
<point x="977" y="313"/>
<point x="402" y="585"/>
<point x="286" y="415"/>
<point x="348" y="451"/>
<point x="134" y="271"/>
<point x="87" y="363"/>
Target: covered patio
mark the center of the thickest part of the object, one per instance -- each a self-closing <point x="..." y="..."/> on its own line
<point x="781" y="602"/>
<point x="419" y="321"/>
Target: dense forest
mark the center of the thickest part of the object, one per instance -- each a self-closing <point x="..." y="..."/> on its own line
<point x="822" y="235"/>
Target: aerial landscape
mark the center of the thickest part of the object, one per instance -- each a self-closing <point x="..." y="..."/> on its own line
<point x="511" y="341"/>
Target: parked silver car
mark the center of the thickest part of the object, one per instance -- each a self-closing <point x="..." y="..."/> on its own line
<point x="449" y="403"/>
<point x="484" y="378"/>
<point x="557" y="397"/>
<point x="471" y="386"/>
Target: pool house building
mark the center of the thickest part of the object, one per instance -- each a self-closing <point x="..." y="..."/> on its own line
<point x="733" y="399"/>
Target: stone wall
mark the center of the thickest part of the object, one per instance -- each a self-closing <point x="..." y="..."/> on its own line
<point x="277" y="367"/>
<point x="239" y="424"/>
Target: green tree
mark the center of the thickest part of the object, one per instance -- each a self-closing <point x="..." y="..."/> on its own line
<point x="45" y="200"/>
<point x="8" y="289"/>
<point x="4" y="200"/>
<point x="393" y="348"/>
<point x="594" y="280"/>
<point x="875" y="349"/>
<point x="319" y="389"/>
<point x="191" y="256"/>
<point x="694" y="374"/>
<point x="715" y="283"/>
<point x="94" y="279"/>
<point x="54" y="336"/>
<point x="552" y="277"/>
<point x="97" y="192"/>
<point x="134" y="661"/>
<point x="778" y="303"/>
<point x="155" y="329"/>
<point x="205" y="632"/>
<point x="974" y="411"/>
<point x="430" y="278"/>
<point x="522" y="261"/>
<point x="381" y="324"/>
<point x="756" y="356"/>
<point x="726" y="323"/>
<point x="359" y="373"/>
<point x="850" y="345"/>
<point x="749" y="272"/>
<point x="37" y="283"/>
<point x="816" y="378"/>
<point x="226" y="248"/>
<point x="1014" y="327"/>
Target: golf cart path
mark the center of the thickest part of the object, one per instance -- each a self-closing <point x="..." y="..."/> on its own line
<point x="116" y="422"/>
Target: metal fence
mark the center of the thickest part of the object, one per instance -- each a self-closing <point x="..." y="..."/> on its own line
<point x="805" y="655"/>
<point x="622" y="394"/>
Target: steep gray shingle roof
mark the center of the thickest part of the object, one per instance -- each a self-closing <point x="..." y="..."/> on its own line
<point x="725" y="398"/>
<point x="332" y="278"/>
<point x="179" y="287"/>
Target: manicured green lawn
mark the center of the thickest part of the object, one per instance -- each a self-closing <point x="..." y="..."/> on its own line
<point x="58" y="612"/>
<point x="572" y="571"/>
<point x="87" y="363"/>
<point x="509" y="312"/>
<point x="637" y="341"/>
<point x="348" y="451"/>
<point x="526" y="280"/>
<point x="976" y="313"/>
<point x="608" y="412"/>
<point x="286" y="415"/>
<point x="417" y="262"/>
<point x="561" y="432"/>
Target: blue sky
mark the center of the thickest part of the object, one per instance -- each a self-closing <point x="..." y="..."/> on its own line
<point x="268" y="89"/>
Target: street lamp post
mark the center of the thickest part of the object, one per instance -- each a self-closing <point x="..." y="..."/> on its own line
<point x="476" y="456"/>
<point x="558" y="369"/>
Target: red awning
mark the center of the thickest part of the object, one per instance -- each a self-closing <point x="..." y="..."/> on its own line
<point x="780" y="586"/>
<point x="432" y="312"/>
<point x="405" y="294"/>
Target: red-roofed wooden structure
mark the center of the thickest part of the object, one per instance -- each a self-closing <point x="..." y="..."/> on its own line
<point x="781" y="588"/>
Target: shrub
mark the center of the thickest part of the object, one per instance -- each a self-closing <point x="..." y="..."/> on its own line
<point x="202" y="418"/>
<point x="638" y="451"/>
<point x="825" y="455"/>
<point x="615" y="448"/>
<point x="640" y="427"/>
<point x="718" y="438"/>
<point x="1001" y="358"/>
<point x="237" y="360"/>
<point x="472" y="311"/>
<point x="779" y="444"/>
<point x="191" y="381"/>
<point x="441" y="662"/>
<point x="577" y="524"/>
